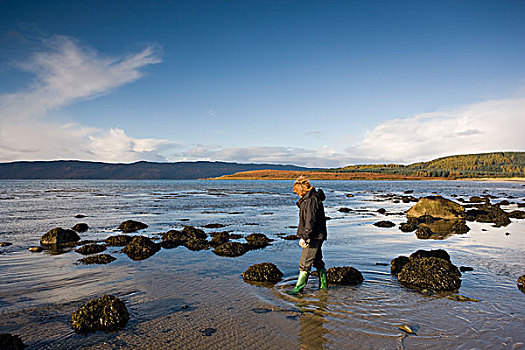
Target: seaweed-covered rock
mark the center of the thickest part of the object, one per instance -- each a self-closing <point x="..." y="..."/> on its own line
<point x="430" y="273"/>
<point x="517" y="214"/>
<point x="384" y="223"/>
<point x="197" y="244"/>
<point x="488" y="213"/>
<point x="257" y="240"/>
<point x="174" y="235"/>
<point x="435" y="253"/>
<point x="263" y="272"/>
<point x="107" y="313"/>
<point x="59" y="236"/>
<point x="424" y="232"/>
<point x="11" y="342"/>
<point x="141" y="248"/>
<point x="408" y="199"/>
<point x="213" y="226"/>
<point x="437" y="207"/>
<point x="408" y="226"/>
<point x="97" y="259"/>
<point x="81" y="227"/>
<point x="381" y="211"/>
<point x="90" y="249"/>
<point x="345" y="275"/>
<point x="476" y="199"/>
<point x="521" y="283"/>
<point x="397" y="264"/>
<point x="118" y="240"/>
<point x="132" y="226"/>
<point x="191" y="232"/>
<point x="219" y="238"/>
<point x="231" y="249"/>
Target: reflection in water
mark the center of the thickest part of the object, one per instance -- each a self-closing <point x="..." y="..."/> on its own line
<point x="312" y="335"/>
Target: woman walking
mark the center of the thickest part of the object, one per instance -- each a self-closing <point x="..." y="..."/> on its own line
<point x="311" y="231"/>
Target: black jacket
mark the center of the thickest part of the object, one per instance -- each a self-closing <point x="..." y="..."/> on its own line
<point x="312" y="221"/>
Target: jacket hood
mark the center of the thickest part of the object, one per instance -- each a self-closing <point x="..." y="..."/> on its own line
<point x="319" y="194"/>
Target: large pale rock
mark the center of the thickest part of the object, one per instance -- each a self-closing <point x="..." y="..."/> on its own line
<point x="59" y="236"/>
<point x="437" y="207"/>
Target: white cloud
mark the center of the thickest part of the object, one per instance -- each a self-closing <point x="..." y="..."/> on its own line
<point x="65" y="72"/>
<point x="495" y="125"/>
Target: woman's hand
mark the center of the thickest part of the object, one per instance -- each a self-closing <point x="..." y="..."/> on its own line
<point x="303" y="243"/>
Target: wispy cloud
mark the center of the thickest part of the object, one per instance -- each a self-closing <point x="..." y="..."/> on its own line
<point x="65" y="72"/>
<point x="495" y="125"/>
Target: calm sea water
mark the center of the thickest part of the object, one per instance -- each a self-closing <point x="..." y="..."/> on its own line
<point x="28" y="209"/>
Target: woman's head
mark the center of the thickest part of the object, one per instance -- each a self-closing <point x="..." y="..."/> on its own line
<point x="302" y="185"/>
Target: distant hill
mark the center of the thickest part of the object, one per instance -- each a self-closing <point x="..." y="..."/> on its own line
<point x="72" y="169"/>
<point x="495" y="164"/>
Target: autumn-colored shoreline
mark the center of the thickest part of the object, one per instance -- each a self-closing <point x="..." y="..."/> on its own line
<point x="321" y="175"/>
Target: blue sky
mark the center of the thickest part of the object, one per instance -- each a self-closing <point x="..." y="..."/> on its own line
<point x="316" y="83"/>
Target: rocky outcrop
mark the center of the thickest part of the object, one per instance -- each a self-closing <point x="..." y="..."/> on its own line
<point x="59" y="236"/>
<point x="263" y="272"/>
<point x="488" y="213"/>
<point x="131" y="226"/>
<point x="344" y="275"/>
<point x="257" y="240"/>
<point x="231" y="249"/>
<point x="384" y="223"/>
<point x="437" y="207"/>
<point x="427" y="270"/>
<point x="91" y="249"/>
<point x="140" y="248"/>
<point x="118" y="240"/>
<point x="97" y="259"/>
<point x="107" y="313"/>
<point x="81" y="227"/>
<point x="11" y="342"/>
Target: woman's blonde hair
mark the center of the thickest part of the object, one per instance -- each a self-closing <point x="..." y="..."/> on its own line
<point x="302" y="184"/>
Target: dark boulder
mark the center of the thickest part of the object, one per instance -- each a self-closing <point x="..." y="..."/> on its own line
<point x="424" y="232"/>
<point x="197" y="244"/>
<point x="132" y="226"/>
<point x="408" y="226"/>
<point x="521" y="283"/>
<point x="466" y="268"/>
<point x="231" y="249"/>
<point x="517" y="214"/>
<point x="91" y="249"/>
<point x="430" y="273"/>
<point x="257" y="240"/>
<point x="397" y="264"/>
<point x="264" y="272"/>
<point x="488" y="213"/>
<point x="213" y="226"/>
<point x="384" y="223"/>
<point x="435" y="253"/>
<point x="290" y="237"/>
<point x="59" y="236"/>
<point x="107" y="313"/>
<point x="437" y="207"/>
<point x="191" y="232"/>
<point x="504" y="202"/>
<point x="81" y="227"/>
<point x="381" y="211"/>
<point x="118" y="240"/>
<point x="96" y="259"/>
<point x="80" y="216"/>
<point x="11" y="342"/>
<point x="219" y="238"/>
<point x="408" y="199"/>
<point x="344" y="275"/>
<point x="344" y="210"/>
<point x="174" y="235"/>
<point x="141" y="248"/>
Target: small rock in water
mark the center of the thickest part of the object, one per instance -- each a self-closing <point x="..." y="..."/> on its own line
<point x="461" y="298"/>
<point x="81" y="227"/>
<point x="263" y="272"/>
<point x="80" y="216"/>
<point x="5" y="244"/>
<point x="521" y="283"/>
<point x="397" y="264"/>
<point x="407" y="328"/>
<point x="107" y="313"/>
<point x="507" y="233"/>
<point x="213" y="226"/>
<point x="132" y="226"/>
<point x="230" y="249"/>
<point x="424" y="232"/>
<point x="290" y="237"/>
<point x="345" y="275"/>
<point x="35" y="249"/>
<point x="97" y="259"/>
<point x="384" y="223"/>
<point x="140" y="248"/>
<point x="197" y="244"/>
<point x="381" y="264"/>
<point x="59" y="236"/>
<point x="11" y="342"/>
<point x="466" y="268"/>
<point x="90" y="249"/>
<point x="257" y="240"/>
<point x="343" y="210"/>
<point x="381" y="211"/>
<point x="349" y="195"/>
<point x="118" y="240"/>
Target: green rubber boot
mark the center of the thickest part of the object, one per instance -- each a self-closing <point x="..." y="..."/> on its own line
<point x="323" y="281"/>
<point x="301" y="283"/>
